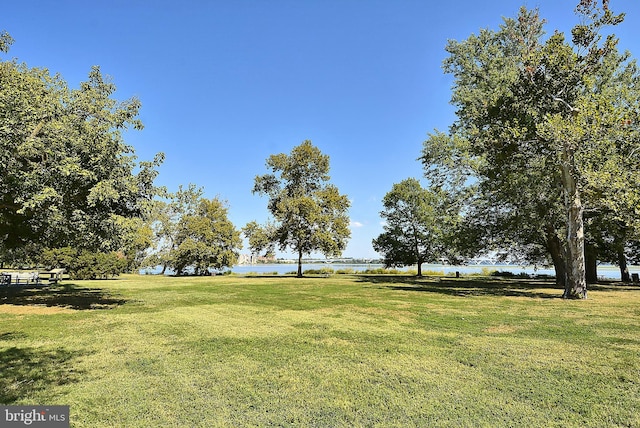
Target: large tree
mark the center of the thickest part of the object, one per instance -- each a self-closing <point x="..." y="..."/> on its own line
<point x="309" y="213"/>
<point x="418" y="225"/>
<point x="67" y="177"/>
<point x="540" y="120"/>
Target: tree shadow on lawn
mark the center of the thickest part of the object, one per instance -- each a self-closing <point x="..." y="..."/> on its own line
<point x="66" y="296"/>
<point x="465" y="287"/>
<point x="26" y="371"/>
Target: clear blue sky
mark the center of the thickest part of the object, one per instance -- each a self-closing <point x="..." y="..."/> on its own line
<point x="225" y="84"/>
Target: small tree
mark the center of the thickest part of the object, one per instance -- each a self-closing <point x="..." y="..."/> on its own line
<point x="165" y="214"/>
<point x="310" y="214"/>
<point x="205" y="239"/>
<point x="417" y="220"/>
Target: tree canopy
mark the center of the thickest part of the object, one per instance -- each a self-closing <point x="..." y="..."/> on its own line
<point x="543" y="134"/>
<point x="309" y="213"/>
<point x="205" y="239"/>
<point x="418" y="223"/>
<point x="67" y="177"/>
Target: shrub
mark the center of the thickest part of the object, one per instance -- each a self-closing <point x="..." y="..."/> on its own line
<point x="85" y="264"/>
<point x="384" y="271"/>
<point x="507" y="274"/>
<point x="321" y="271"/>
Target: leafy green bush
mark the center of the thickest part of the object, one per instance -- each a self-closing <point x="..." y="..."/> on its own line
<point x="85" y="264"/>
<point x="321" y="271"/>
<point x="383" y="271"/>
<point x="507" y="274"/>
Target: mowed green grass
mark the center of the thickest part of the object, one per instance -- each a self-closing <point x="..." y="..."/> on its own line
<point x="145" y="351"/>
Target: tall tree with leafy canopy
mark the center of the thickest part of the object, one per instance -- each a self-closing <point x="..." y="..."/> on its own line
<point x="67" y="177"/>
<point x="540" y="119"/>
<point x="418" y="225"/>
<point x="310" y="214"/>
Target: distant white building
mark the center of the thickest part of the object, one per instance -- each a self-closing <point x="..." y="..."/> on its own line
<point x="244" y="259"/>
<point x="251" y="259"/>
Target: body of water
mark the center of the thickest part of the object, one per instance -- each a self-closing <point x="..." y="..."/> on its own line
<point x="605" y="272"/>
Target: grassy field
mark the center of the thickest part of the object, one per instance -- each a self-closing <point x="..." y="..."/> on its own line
<point x="345" y="350"/>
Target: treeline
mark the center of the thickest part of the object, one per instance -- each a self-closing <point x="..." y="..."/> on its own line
<point x="541" y="165"/>
<point x="73" y="195"/>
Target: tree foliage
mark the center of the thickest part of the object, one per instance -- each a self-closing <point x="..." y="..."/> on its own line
<point x="260" y="238"/>
<point x="309" y="213"/>
<point x="164" y="216"/>
<point x="191" y="232"/>
<point x="418" y="225"/>
<point x="205" y="239"/>
<point x="84" y="264"/>
<point x="545" y="128"/>
<point x="67" y="177"/>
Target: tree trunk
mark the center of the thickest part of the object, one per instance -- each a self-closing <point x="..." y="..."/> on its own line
<point x="576" y="285"/>
<point x="624" y="269"/>
<point x="419" y="268"/>
<point x="591" y="261"/>
<point x="299" y="275"/>
<point x="557" y="253"/>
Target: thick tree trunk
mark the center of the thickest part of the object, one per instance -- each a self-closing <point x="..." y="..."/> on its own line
<point x="624" y="269"/>
<point x="557" y="253"/>
<point x="299" y="275"/>
<point x="591" y="261"/>
<point x="419" y="268"/>
<point x="576" y="285"/>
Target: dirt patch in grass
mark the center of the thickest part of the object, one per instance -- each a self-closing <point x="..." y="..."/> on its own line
<point x="33" y="310"/>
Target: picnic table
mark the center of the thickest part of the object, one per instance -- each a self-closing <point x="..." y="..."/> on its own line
<point x="53" y="276"/>
<point x="19" y="278"/>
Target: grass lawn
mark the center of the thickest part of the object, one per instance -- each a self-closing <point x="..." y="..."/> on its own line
<point x="145" y="351"/>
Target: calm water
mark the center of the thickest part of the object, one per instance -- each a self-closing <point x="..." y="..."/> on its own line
<point x="608" y="272"/>
<point x="605" y="272"/>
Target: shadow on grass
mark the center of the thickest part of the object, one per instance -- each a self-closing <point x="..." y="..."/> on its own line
<point x="26" y="371"/>
<point x="466" y="287"/>
<point x="65" y="296"/>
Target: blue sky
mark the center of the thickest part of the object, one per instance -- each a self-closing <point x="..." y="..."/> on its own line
<point x="225" y="84"/>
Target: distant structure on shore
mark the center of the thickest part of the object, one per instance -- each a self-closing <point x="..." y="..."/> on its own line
<point x="252" y="259"/>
